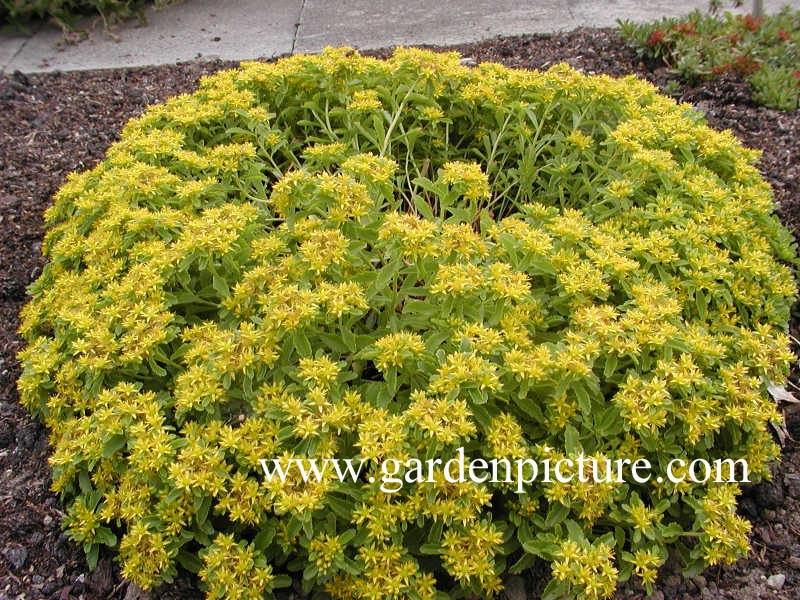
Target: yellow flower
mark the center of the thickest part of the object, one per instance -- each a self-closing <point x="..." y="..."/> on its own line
<point x="342" y="298"/>
<point x="350" y="199"/>
<point x="579" y="139"/>
<point x="323" y="249"/>
<point x="319" y="371"/>
<point x="462" y="240"/>
<point x="364" y="100"/>
<point x="289" y="306"/>
<point x="235" y="570"/>
<point x="457" y="278"/>
<point x="417" y="237"/>
<point x="481" y="338"/>
<point x="469" y="555"/>
<point x="464" y="369"/>
<point x="323" y="550"/>
<point x="325" y="153"/>
<point x="145" y="556"/>
<point x="587" y="568"/>
<point x="468" y="178"/>
<point x="381" y="435"/>
<point x="286" y="190"/>
<point x="505" y="437"/>
<point x="395" y="348"/>
<point x="442" y="419"/>
<point x="243" y="500"/>
<point x="646" y="564"/>
<point x="228" y="157"/>
<point x="507" y="283"/>
<point x="431" y="113"/>
<point x="373" y="168"/>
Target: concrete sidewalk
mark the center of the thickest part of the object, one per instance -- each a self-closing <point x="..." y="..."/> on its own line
<point x="247" y="29"/>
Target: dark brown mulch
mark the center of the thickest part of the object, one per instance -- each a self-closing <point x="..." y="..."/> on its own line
<point x="51" y="124"/>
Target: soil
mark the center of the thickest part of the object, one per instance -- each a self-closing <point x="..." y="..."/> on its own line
<point x="51" y="124"/>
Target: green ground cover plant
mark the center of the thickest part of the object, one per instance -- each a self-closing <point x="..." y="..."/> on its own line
<point x="338" y="256"/>
<point x="20" y="13"/>
<point x="766" y="51"/>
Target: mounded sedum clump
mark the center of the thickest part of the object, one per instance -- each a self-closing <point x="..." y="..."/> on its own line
<point x="336" y="256"/>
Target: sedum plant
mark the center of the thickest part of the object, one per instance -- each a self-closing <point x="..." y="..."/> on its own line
<point x="338" y="256"/>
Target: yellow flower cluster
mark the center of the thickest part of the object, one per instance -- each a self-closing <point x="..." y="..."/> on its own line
<point x="464" y="369"/>
<point x="367" y="166"/>
<point x="441" y="419"/>
<point x="724" y="534"/>
<point x="588" y="569"/>
<point x="144" y="554"/>
<point x="470" y="554"/>
<point x="505" y="438"/>
<point x="417" y="237"/>
<point x="395" y="348"/>
<point x="364" y="100"/>
<point x="469" y="177"/>
<point x="389" y="574"/>
<point x="646" y="564"/>
<point x="234" y="569"/>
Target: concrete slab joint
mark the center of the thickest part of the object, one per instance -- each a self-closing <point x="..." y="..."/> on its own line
<point x="298" y="25"/>
<point x="197" y="29"/>
<point x="10" y="47"/>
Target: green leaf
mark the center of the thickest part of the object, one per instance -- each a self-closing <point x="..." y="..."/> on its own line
<point x="92" y="554"/>
<point x="84" y="482"/>
<point x="701" y="301"/>
<point x="571" y="440"/>
<point x="220" y="286"/>
<point x="574" y="531"/>
<point x="476" y="396"/>
<point x="156" y="368"/>
<point x="347" y="536"/>
<point x="189" y="561"/>
<point x="433" y="549"/>
<point x="423" y="208"/>
<point x="293" y="527"/>
<point x="610" y="366"/>
<point x="542" y="548"/>
<point x="555" y="515"/>
<point x="524" y="533"/>
<point x="435" y="532"/>
<point x="608" y="422"/>
<point x="582" y="397"/>
<point x="348" y="565"/>
<point x="202" y="506"/>
<point x="383" y="277"/>
<point x="481" y="416"/>
<point x="391" y="380"/>
<point x="105" y="536"/>
<point x="264" y="537"/>
<point x="555" y="590"/>
<point x="525" y="562"/>
<point x="114" y="445"/>
<point x="532" y="408"/>
<point x="281" y="581"/>
<point x="348" y="337"/>
<point x="342" y="508"/>
<point x="302" y="345"/>
<point x="336" y="343"/>
<point x="310" y="572"/>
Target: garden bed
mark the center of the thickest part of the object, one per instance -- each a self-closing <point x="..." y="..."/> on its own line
<point x="55" y="123"/>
